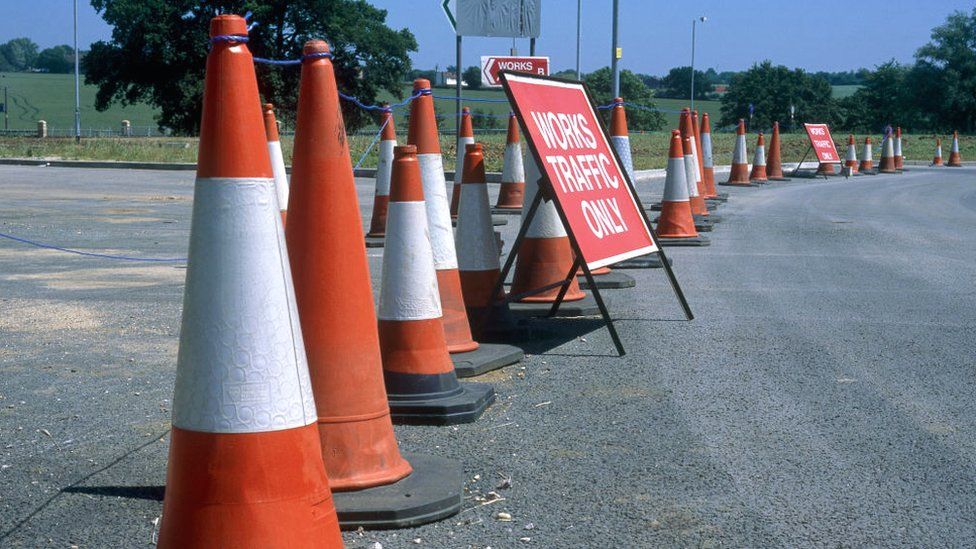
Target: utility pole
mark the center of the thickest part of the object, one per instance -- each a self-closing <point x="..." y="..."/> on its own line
<point x="77" y="83"/>
<point x="579" y="18"/>
<point x="616" y="53"/>
<point x="457" y="88"/>
<point x="6" y="110"/>
<point x="693" y="22"/>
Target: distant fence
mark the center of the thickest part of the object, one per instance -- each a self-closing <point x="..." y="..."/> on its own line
<point x="132" y="131"/>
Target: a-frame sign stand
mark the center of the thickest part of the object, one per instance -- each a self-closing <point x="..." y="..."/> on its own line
<point x="545" y="192"/>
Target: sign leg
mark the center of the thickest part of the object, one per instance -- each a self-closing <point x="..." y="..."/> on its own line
<point x="603" y="310"/>
<point x="565" y="287"/>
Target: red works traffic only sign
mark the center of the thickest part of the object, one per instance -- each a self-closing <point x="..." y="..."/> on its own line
<point x="491" y="65"/>
<point x="822" y="143"/>
<point x="588" y="183"/>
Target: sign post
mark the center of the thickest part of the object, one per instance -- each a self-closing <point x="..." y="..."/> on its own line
<point x="581" y="172"/>
<point x="491" y="65"/>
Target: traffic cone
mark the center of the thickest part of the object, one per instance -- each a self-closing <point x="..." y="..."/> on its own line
<point x="381" y="196"/>
<point x="423" y="134"/>
<point x="739" y="176"/>
<point x="696" y="186"/>
<point x="708" y="162"/>
<point x="955" y="160"/>
<point x="709" y="188"/>
<point x="374" y="485"/>
<point x="245" y="468"/>
<point x="899" y="159"/>
<point x="867" y="161"/>
<point x="758" y="174"/>
<point x="887" y="164"/>
<point x="937" y="161"/>
<point x="465" y="137"/>
<point x="512" y="190"/>
<point x="774" y="163"/>
<point x="620" y="136"/>
<point x="420" y="379"/>
<point x="676" y="226"/>
<point x="277" y="160"/>
<point x="545" y="257"/>
<point x="825" y="169"/>
<point x="850" y="164"/>
<point x="477" y="251"/>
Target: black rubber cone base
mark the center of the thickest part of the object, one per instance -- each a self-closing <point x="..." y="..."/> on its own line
<point x="375" y="241"/>
<point x="697" y="241"/>
<point x="506" y="211"/>
<point x="496" y="221"/>
<point x="610" y="281"/>
<point x="487" y="357"/>
<point x="704" y="226"/>
<point x="780" y="179"/>
<point x="655" y="207"/>
<point x="567" y="309"/>
<point x="651" y="261"/>
<point x="722" y="197"/>
<point x="739" y="184"/>
<point x="430" y="493"/>
<point x="714" y="218"/>
<point x="435" y="399"/>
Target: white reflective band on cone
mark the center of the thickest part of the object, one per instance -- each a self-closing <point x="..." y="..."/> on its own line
<point x="867" y="151"/>
<point x="240" y="368"/>
<point x="897" y="146"/>
<point x="690" y="169"/>
<point x="707" y="150"/>
<point x="955" y="145"/>
<point x="438" y="210"/>
<point x="280" y="174"/>
<point x="477" y="247"/>
<point x="462" y="144"/>
<point x="546" y="223"/>
<point x="621" y="143"/>
<point x="938" y="151"/>
<point x="512" y="169"/>
<point x="851" y="153"/>
<point x="759" y="158"/>
<point x="408" y="289"/>
<point x="740" y="151"/>
<point x="384" y="168"/>
<point x="699" y="176"/>
<point x="675" y="182"/>
<point x="888" y="150"/>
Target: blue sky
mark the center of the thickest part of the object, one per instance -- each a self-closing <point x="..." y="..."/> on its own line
<point x="655" y="34"/>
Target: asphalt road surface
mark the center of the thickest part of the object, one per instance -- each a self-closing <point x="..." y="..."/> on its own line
<point x="824" y="396"/>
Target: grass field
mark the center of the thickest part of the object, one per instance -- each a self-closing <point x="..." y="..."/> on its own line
<point x="840" y="92"/>
<point x="649" y="149"/>
<point x="51" y="97"/>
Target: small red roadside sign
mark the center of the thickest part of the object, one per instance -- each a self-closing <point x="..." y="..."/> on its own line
<point x="492" y="64"/>
<point x="822" y="143"/>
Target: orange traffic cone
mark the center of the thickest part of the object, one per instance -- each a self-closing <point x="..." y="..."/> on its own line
<point x="707" y="193"/>
<point x="774" y="163"/>
<point x="620" y="136"/>
<point x="545" y="256"/>
<point x="245" y="468"/>
<point x="867" y="160"/>
<point x="850" y="162"/>
<point x="955" y="160"/>
<point x="708" y="161"/>
<point x="937" y="161"/>
<point x="512" y="191"/>
<point x="381" y="196"/>
<point x="739" y="176"/>
<point x="696" y="185"/>
<point x="277" y="160"/>
<point x="465" y="137"/>
<point x="899" y="159"/>
<point x="335" y="304"/>
<point x="758" y="174"/>
<point x="676" y="226"/>
<point x="423" y="134"/>
<point x="420" y="379"/>
<point x="477" y="251"/>
<point x="887" y="164"/>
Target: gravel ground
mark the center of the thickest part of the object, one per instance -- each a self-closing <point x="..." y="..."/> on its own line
<point x="823" y="396"/>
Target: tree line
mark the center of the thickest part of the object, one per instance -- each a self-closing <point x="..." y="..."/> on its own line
<point x="23" y="55"/>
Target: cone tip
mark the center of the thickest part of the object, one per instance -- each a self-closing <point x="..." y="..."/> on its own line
<point x="228" y="24"/>
<point x="465" y="110"/>
<point x="404" y="150"/>
<point x="421" y="84"/>
<point x="315" y="46"/>
<point x="618" y="99"/>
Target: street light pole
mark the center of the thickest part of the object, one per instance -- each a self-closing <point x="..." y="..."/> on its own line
<point x="579" y="17"/>
<point x="693" y="23"/>
<point x="77" y="83"/>
<point x="614" y="61"/>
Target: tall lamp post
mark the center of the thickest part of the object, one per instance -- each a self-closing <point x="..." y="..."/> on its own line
<point x="693" y="23"/>
<point x="77" y="83"/>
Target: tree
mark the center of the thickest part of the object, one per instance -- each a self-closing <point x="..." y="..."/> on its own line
<point x="677" y="84"/>
<point x="158" y="50"/>
<point x="882" y="99"/>
<point x="771" y="90"/>
<point x="943" y="81"/>
<point x="59" y="59"/>
<point x="20" y="54"/>
<point x="633" y="90"/>
<point x="472" y="77"/>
